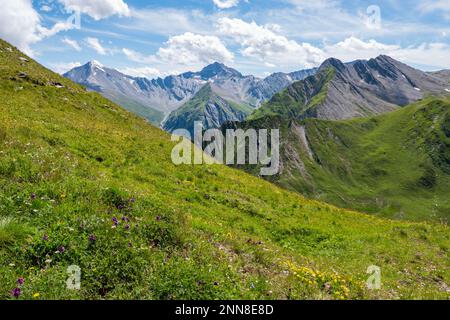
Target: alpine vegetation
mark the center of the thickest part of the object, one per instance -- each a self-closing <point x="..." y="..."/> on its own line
<point x="212" y="147"/>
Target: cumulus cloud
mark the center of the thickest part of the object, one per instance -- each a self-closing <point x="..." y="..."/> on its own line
<point x="264" y="43"/>
<point x="98" y="9"/>
<point x="190" y="48"/>
<point x="353" y="48"/>
<point x="138" y="57"/>
<point x="19" y="23"/>
<point x="431" y="55"/>
<point x="226" y="4"/>
<point x="72" y="43"/>
<point x="95" y="44"/>
<point x="181" y="53"/>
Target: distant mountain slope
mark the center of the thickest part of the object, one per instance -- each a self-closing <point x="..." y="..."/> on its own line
<point x="395" y="165"/>
<point x="84" y="182"/>
<point x="206" y="107"/>
<point x="164" y="95"/>
<point x="357" y="89"/>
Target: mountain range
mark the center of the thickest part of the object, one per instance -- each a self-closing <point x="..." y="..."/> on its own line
<point x="361" y="88"/>
<point x="369" y="135"/>
<point x="155" y="99"/>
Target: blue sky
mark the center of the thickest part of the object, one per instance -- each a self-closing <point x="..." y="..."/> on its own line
<point x="157" y="38"/>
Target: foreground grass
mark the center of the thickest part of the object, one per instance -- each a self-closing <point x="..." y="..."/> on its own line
<point x="83" y="182"/>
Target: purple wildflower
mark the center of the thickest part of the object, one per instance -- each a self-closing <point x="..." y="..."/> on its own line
<point x="16" y="293"/>
<point x="158" y="218"/>
<point x="130" y="244"/>
<point x="216" y="283"/>
<point x="20" y="281"/>
<point x="45" y="237"/>
<point x="115" y="221"/>
<point x="125" y="219"/>
<point x="127" y="227"/>
<point x="132" y="200"/>
<point x="61" y="249"/>
<point x="33" y="196"/>
<point x="92" y="238"/>
<point x="120" y="207"/>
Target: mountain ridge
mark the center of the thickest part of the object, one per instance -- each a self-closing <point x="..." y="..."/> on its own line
<point x="165" y="95"/>
<point x="356" y="89"/>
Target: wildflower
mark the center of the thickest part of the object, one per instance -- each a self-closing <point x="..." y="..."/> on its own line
<point x="20" y="281"/>
<point x="130" y="244"/>
<point x="16" y="293"/>
<point x="158" y="218"/>
<point x="45" y="237"/>
<point x="61" y="249"/>
<point x="127" y="227"/>
<point x="36" y="295"/>
<point x="125" y="219"/>
<point x="216" y="283"/>
<point x="132" y="200"/>
<point x="92" y="238"/>
<point x="120" y="207"/>
<point x="115" y="221"/>
<point x="33" y="196"/>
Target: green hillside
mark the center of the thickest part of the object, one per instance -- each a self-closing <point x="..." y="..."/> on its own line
<point x="295" y="101"/>
<point x="206" y="107"/>
<point x="84" y="182"/>
<point x="153" y="116"/>
<point x="396" y="165"/>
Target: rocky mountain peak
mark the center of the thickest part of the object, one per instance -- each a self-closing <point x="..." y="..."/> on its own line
<point x="217" y="70"/>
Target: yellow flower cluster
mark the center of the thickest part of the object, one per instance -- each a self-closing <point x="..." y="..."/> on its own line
<point x="331" y="283"/>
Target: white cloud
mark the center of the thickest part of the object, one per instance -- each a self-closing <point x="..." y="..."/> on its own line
<point x="46" y="8"/>
<point x="145" y="72"/>
<point x="19" y="24"/>
<point x="98" y="9"/>
<point x="181" y="53"/>
<point x="72" y="43"/>
<point x="265" y="44"/>
<point x="138" y="57"/>
<point x="169" y="21"/>
<point x="430" y="55"/>
<point x="226" y="4"/>
<point x="63" y="67"/>
<point x="353" y="48"/>
<point x="190" y="48"/>
<point x="95" y="44"/>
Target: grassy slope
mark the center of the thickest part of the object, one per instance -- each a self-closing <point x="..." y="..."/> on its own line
<point x="153" y="116"/>
<point x="190" y="226"/>
<point x="194" y="109"/>
<point x="298" y="98"/>
<point x="396" y="165"/>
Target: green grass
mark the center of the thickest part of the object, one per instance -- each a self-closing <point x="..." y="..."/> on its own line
<point x="396" y="165"/>
<point x="196" y="108"/>
<point x="299" y="98"/>
<point x="155" y="117"/>
<point x="70" y="161"/>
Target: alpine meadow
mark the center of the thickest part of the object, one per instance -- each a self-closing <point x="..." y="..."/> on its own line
<point x="93" y="205"/>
